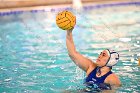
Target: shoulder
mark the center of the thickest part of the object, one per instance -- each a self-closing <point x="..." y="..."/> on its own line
<point x="113" y="79"/>
<point x="91" y="68"/>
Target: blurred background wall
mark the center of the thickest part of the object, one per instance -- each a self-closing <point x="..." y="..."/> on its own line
<point x="28" y="3"/>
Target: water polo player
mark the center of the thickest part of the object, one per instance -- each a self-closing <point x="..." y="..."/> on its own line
<point x="98" y="73"/>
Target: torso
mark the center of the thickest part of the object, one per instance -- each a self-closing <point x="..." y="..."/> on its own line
<point x="95" y="78"/>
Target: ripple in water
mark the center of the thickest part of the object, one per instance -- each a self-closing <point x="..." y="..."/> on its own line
<point x="34" y="57"/>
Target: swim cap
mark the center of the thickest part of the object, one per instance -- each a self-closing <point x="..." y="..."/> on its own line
<point x="113" y="58"/>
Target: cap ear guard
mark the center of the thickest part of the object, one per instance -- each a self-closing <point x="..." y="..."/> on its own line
<point x="117" y="58"/>
<point x="113" y="59"/>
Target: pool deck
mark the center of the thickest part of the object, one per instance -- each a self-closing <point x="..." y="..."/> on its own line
<point x="40" y="6"/>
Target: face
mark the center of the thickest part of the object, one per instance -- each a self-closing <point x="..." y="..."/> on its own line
<point x="102" y="58"/>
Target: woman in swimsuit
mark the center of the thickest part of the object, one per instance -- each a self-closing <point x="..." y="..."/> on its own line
<point x="98" y="72"/>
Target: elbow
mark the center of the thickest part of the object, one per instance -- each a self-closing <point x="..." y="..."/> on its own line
<point x="72" y="54"/>
<point x="119" y="85"/>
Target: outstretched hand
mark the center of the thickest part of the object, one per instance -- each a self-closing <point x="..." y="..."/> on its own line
<point x="74" y="25"/>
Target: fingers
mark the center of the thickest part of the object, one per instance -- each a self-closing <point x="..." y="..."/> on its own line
<point x="70" y="30"/>
<point x="75" y="20"/>
<point x="74" y="24"/>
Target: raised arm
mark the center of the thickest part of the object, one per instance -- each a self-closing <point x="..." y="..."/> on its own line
<point x="81" y="61"/>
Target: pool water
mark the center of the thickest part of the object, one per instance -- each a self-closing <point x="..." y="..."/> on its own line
<point x="34" y="58"/>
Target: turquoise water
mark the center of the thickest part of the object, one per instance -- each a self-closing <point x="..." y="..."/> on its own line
<point x="33" y="54"/>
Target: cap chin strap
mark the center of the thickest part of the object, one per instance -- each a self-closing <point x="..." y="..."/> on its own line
<point x="108" y="58"/>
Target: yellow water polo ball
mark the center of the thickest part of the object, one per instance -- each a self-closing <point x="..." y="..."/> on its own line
<point x="65" y="20"/>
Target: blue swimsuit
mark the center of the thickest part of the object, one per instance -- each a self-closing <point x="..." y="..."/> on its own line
<point x="97" y="82"/>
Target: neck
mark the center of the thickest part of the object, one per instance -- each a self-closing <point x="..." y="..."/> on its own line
<point x="105" y="69"/>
